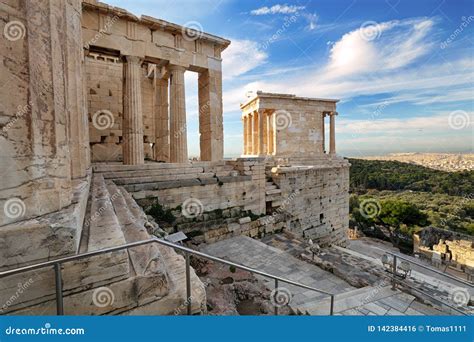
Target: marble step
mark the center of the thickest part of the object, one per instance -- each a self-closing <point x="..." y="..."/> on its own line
<point x="274" y="197"/>
<point x="366" y="297"/>
<point x="273" y="191"/>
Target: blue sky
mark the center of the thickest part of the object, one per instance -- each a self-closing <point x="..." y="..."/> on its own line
<point x="403" y="69"/>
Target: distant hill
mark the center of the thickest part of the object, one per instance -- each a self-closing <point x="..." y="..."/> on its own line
<point x="394" y="175"/>
<point x="438" y="161"/>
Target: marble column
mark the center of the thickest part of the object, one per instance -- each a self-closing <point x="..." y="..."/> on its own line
<point x="268" y="117"/>
<point x="133" y="153"/>
<point x="323" y="132"/>
<point x="332" y="133"/>
<point x="161" y="115"/>
<point x="244" y="119"/>
<point x="249" y="133"/>
<point x="211" y="126"/>
<point x="255" y="133"/>
<point x="263" y="133"/>
<point x="178" y="134"/>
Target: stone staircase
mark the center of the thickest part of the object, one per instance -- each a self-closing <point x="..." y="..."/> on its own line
<point x="370" y="300"/>
<point x="147" y="279"/>
<point x="273" y="196"/>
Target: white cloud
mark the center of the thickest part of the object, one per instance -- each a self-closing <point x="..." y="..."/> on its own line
<point x="277" y="9"/>
<point x="391" y="45"/>
<point x="385" y="65"/>
<point x="312" y="19"/>
<point x="242" y="56"/>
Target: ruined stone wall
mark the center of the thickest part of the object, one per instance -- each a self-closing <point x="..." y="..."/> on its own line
<point x="207" y="185"/>
<point x="318" y="201"/>
<point x="104" y="84"/>
<point x="43" y="149"/>
<point x="447" y="245"/>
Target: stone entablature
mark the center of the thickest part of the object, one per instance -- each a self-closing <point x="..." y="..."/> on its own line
<point x="284" y="125"/>
<point x="155" y="54"/>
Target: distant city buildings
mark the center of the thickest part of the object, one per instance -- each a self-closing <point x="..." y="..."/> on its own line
<point x="440" y="161"/>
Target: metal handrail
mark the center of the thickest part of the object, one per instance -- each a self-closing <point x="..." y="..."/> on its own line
<point x="431" y="269"/>
<point x="395" y="280"/>
<point x="187" y="251"/>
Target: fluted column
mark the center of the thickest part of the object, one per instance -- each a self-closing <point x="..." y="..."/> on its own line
<point x="245" y="121"/>
<point x="255" y="133"/>
<point x="260" y="136"/>
<point x="133" y="153"/>
<point x="250" y="134"/>
<point x="162" y="133"/>
<point x="332" y="133"/>
<point x="323" y="132"/>
<point x="178" y="134"/>
<point x="268" y="117"/>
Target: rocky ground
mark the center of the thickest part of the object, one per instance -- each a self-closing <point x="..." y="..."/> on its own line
<point x="232" y="291"/>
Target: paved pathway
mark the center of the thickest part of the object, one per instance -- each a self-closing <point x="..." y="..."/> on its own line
<point x="377" y="300"/>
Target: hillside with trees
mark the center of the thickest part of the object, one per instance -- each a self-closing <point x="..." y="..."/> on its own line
<point x="402" y="198"/>
<point x="397" y="176"/>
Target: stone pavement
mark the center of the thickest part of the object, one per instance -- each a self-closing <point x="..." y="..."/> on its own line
<point x="370" y="300"/>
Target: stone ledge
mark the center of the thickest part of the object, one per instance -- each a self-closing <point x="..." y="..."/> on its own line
<point x="46" y="237"/>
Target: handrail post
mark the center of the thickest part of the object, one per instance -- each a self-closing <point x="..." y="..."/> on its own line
<point x="188" y="284"/>
<point x="394" y="272"/>
<point x="275" y="297"/>
<point x="59" y="289"/>
<point x="331" y="310"/>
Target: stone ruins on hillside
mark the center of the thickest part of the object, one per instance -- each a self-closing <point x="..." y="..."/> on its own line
<point x="93" y="135"/>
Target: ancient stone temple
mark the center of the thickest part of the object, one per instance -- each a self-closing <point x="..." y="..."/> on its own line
<point x="284" y="125"/>
<point x="288" y="132"/>
<point x="93" y="134"/>
<point x="134" y="70"/>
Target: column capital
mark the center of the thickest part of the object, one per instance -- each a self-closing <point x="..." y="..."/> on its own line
<point x="175" y="67"/>
<point x="132" y="59"/>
